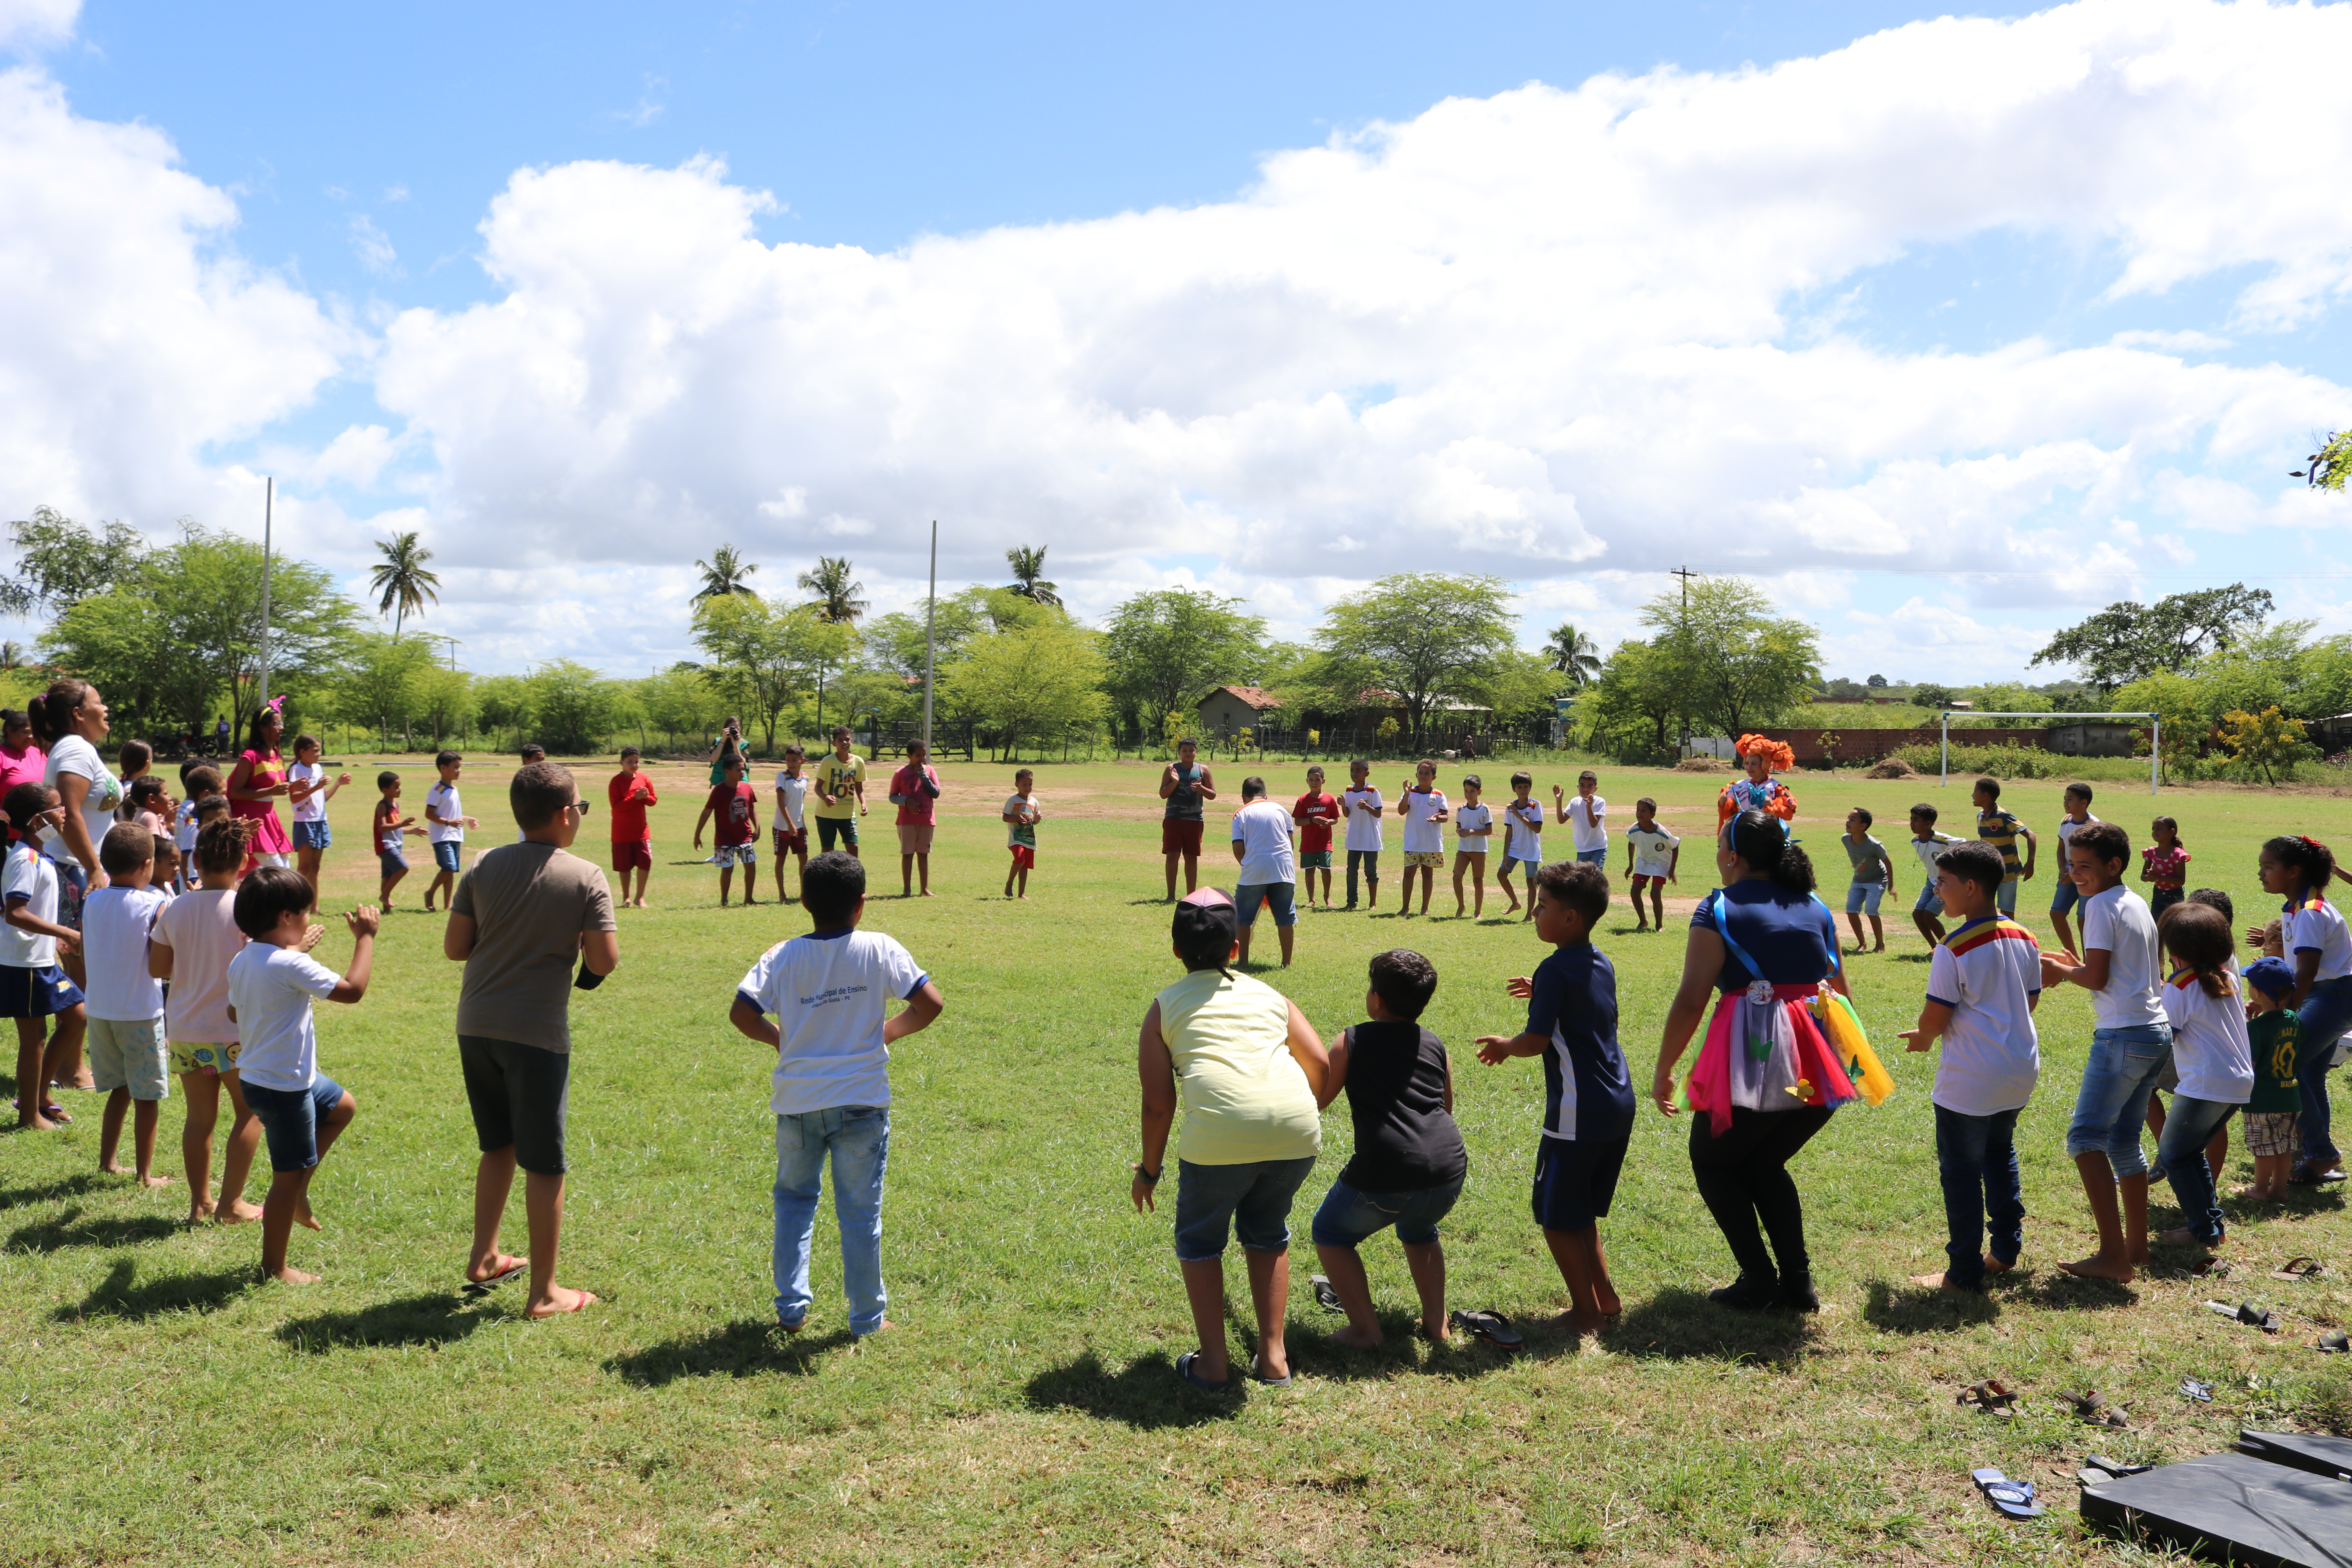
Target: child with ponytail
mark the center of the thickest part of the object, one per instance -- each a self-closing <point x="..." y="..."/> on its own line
<point x="2214" y="1057"/>
<point x="2298" y="868"/>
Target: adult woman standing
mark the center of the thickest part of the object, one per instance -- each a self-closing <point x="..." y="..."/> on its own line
<point x="1765" y="1080"/>
<point x="22" y="759"/>
<point x="255" y="785"/>
<point x="70" y="721"/>
<point x="1759" y="791"/>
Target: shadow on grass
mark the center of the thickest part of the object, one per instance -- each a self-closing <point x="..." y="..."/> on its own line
<point x="432" y="1319"/>
<point x="72" y="1229"/>
<point x="2054" y="1290"/>
<point x="1146" y="1394"/>
<point x="122" y="1294"/>
<point x="1684" y="1325"/>
<point x="748" y="1347"/>
<point x="1406" y="1355"/>
<point x="49" y="1192"/>
<point x="1909" y="1309"/>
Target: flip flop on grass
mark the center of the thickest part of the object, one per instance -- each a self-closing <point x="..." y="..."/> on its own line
<point x="2091" y="1405"/>
<point x="2014" y="1498"/>
<point x="2247" y="1313"/>
<point x="1491" y="1327"/>
<point x="1992" y="1396"/>
<point x="1185" y="1370"/>
<point x="2337" y="1343"/>
<point x="484" y="1287"/>
<point x="1325" y="1297"/>
<point x="2300" y="1266"/>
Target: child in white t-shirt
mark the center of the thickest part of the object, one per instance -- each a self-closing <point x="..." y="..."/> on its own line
<point x="194" y="938"/>
<point x="1022" y="814"/>
<point x="1656" y="855"/>
<point x="1523" y="823"/>
<point x="202" y="782"/>
<point x="1473" y="829"/>
<point x="444" y="828"/>
<point x="1929" y="845"/>
<point x="310" y="788"/>
<point x="827" y="992"/>
<point x="33" y="987"/>
<point x="1361" y="806"/>
<point x="1586" y="818"/>
<point x="789" y="827"/>
<point x="1983" y="985"/>
<point x="125" y="1004"/>
<point x="1423" y="807"/>
<point x="2215" y="1059"/>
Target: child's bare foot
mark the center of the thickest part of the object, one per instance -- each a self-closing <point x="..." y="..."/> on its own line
<point x="237" y="1213"/>
<point x="1995" y="1266"/>
<point x="924" y="894"/>
<point x="200" y="1211"/>
<point x="2099" y="1266"/>
<point x="114" y="1168"/>
<point x="1940" y="1283"/>
<point x="306" y="1219"/>
<point x="154" y="1181"/>
<point x="1346" y="1335"/>
<point x="560" y="1300"/>
<point x="290" y="1276"/>
<point x="884" y="1326"/>
<point x="1438" y="1334"/>
<point x="2183" y="1237"/>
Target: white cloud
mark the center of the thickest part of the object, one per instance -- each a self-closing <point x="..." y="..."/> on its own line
<point x="372" y="245"/>
<point x="29" y="25"/>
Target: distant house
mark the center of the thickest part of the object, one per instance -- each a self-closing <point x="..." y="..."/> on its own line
<point x="2095" y="740"/>
<point x="1229" y="710"/>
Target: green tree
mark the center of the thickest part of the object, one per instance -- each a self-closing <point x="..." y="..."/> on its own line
<point x="402" y="585"/>
<point x="382" y="679"/>
<point x="2327" y="468"/>
<point x="2179" y="705"/>
<point x="60" y="562"/>
<point x="725" y="575"/>
<point x="1739" y="665"/>
<point x="1028" y="563"/>
<point x="761" y="656"/>
<point x="1425" y="636"/>
<point x="1636" y="704"/>
<point x="1167" y="648"/>
<point x="2268" y="740"/>
<point x="681" y="700"/>
<point x="2126" y="641"/>
<point x="573" y="707"/>
<point x="504" y="702"/>
<point x="1573" y="654"/>
<point x="1030" y="681"/>
<point x="839" y="592"/>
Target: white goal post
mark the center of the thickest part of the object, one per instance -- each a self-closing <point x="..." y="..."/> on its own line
<point x="2154" y="738"/>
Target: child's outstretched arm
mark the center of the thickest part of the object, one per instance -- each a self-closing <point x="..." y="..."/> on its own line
<point x="1934" y="1017"/>
<point x="353" y="985"/>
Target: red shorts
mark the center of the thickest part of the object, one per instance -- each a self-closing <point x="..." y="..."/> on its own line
<point x="633" y="854"/>
<point x="1641" y="882"/>
<point x="1180" y="833"/>
<point x="791" y="839"/>
<point x="1025" y="857"/>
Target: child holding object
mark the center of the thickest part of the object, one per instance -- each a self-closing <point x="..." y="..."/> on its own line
<point x="1984" y="982"/>
<point x="2273" y="1034"/>
<point x="734" y="812"/>
<point x="1248" y="1072"/>
<point x="2211" y="1047"/>
<point x="1020" y="814"/>
<point x="1409" y="1164"/>
<point x="1588" y="1092"/>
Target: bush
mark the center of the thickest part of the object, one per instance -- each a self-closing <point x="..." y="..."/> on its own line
<point x="2013" y="762"/>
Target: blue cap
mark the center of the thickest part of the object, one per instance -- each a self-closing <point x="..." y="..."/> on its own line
<point x="2270" y="976"/>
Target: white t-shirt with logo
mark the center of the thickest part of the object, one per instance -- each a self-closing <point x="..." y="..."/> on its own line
<point x="1467" y="820"/>
<point x="793" y="791"/>
<point x="31" y="879"/>
<point x="184" y="834"/>
<point x="1990" y="1054"/>
<point x="72" y="754"/>
<point x="2067" y="828"/>
<point x="1262" y="829"/>
<point x="442" y="800"/>
<point x="2210" y="1049"/>
<point x="114" y="925"/>
<point x="1585" y="823"/>
<point x="1523" y="830"/>
<point x="271" y="987"/>
<point x="1423" y="833"/>
<point x="1362" y="806"/>
<point x="2318" y="927"/>
<point x="827" y="992"/>
<point x="313" y="807"/>
<point x="2118" y="921"/>
<point x="1654" y="849"/>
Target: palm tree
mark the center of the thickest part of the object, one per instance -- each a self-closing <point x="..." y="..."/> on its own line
<point x="12" y="656"/>
<point x="726" y="573"/>
<point x="401" y="578"/>
<point x="1029" y="575"/>
<point x="1573" y="654"/>
<point x="836" y="595"/>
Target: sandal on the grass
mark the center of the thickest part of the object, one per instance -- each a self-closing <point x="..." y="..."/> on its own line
<point x="2091" y="1405"/>
<point x="2197" y="1389"/>
<point x="1325" y="1297"/>
<point x="1259" y="1377"/>
<point x="1992" y="1396"/>
<point x="2014" y="1498"/>
<point x="2108" y="1467"/>
<point x="1491" y="1327"/>
<point x="2337" y="1343"/>
<point x="2247" y="1313"/>
<point x="2213" y="1267"/>
<point x="484" y="1287"/>
<point x="1185" y="1370"/>
<point x="2300" y="1266"/>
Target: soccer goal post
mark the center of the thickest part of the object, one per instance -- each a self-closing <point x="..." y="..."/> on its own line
<point x="2154" y="737"/>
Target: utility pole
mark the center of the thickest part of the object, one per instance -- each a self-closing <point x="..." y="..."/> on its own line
<point x="1685" y="573"/>
<point x="930" y="620"/>
<point x="268" y="510"/>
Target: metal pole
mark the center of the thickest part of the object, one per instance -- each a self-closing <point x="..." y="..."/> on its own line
<point x="268" y="510"/>
<point x="2154" y="747"/>
<point x="1944" y="752"/>
<point x="930" y="620"/>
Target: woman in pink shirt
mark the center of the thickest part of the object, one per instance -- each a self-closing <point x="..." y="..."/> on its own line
<point x="22" y="759"/>
<point x="254" y="787"/>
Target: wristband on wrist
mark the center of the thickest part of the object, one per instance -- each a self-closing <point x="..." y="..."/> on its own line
<point x="1151" y="1178"/>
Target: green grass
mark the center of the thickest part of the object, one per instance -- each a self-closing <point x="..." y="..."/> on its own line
<point x="161" y="1407"/>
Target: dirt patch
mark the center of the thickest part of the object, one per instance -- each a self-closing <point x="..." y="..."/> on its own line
<point x="1892" y="768"/>
<point x="1702" y="765"/>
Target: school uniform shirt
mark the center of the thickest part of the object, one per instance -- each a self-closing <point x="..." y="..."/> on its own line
<point x="2210" y="1049"/>
<point x="271" y="987"/>
<point x="1585" y="825"/>
<point x="2000" y="830"/>
<point x="1927" y="848"/>
<point x="1423" y="833"/>
<point x="184" y="834"/>
<point x="840" y="779"/>
<point x="200" y="928"/>
<point x="442" y="800"/>
<point x="1364" y="809"/>
<point x="1872" y="868"/>
<point x="2067" y="828"/>
<point x="2314" y="925"/>
<point x="1017" y="833"/>
<point x="1523" y="831"/>
<point x="794" y="794"/>
<point x="1406" y="1141"/>
<point x="313" y="807"/>
<point x="629" y="795"/>
<point x="2275" y="1039"/>
<point x="1988" y="972"/>
<point x="1315" y="814"/>
<point x="1588" y="1092"/>
<point x="1246" y="1098"/>
<point x="826" y="991"/>
<point x="1467" y="820"/>
<point x="114" y="925"/>
<point x="74" y="756"/>
<point x="31" y="879"/>
<point x="2118" y="920"/>
<point x="918" y="790"/>
<point x="733" y="818"/>
<point x="1263" y="830"/>
<point x="1652" y="850"/>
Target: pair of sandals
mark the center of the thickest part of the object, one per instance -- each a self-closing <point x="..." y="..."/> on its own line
<point x="1489" y="1326"/>
<point x="1186" y="1363"/>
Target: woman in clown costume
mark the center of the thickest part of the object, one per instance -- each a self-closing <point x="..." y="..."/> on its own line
<point x="1759" y="791"/>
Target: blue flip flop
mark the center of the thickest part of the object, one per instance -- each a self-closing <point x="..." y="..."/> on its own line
<point x="1256" y="1376"/>
<point x="2014" y="1498"/>
<point x="1185" y="1370"/>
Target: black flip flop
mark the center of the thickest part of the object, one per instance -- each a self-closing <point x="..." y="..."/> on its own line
<point x="1185" y="1370"/>
<point x="2337" y="1343"/>
<point x="1325" y="1297"/>
<point x="1260" y="1378"/>
<point x="2247" y="1313"/>
<point x="1491" y="1327"/>
<point x="2014" y="1498"/>
<point x="2109" y="1467"/>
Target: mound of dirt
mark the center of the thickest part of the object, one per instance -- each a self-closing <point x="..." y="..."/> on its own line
<point x="1702" y="765"/>
<point x="1892" y="768"/>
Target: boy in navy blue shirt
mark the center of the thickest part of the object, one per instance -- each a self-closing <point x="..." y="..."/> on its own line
<point x="1588" y="1094"/>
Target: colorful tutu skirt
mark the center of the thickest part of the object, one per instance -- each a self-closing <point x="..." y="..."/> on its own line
<point x="1765" y="1051"/>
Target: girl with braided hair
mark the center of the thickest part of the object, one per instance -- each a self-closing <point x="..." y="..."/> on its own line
<point x="2298" y="868"/>
<point x="1759" y="791"/>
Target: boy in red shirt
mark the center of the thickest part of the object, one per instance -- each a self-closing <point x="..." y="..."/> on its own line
<point x="733" y="809"/>
<point x="1315" y="812"/>
<point x="630" y="792"/>
<point x="915" y="791"/>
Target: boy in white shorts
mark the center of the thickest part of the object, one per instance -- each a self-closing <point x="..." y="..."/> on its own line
<point x="1523" y="822"/>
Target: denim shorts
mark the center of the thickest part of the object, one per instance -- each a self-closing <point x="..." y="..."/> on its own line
<point x="2006" y="900"/>
<point x="1279" y="897"/>
<point x="1927" y="902"/>
<point x="1254" y="1198"/>
<point x="313" y="834"/>
<point x="1348" y="1218"/>
<point x="2065" y="897"/>
<point x="446" y="852"/>
<point x="1862" y="898"/>
<point x="390" y="863"/>
<point x="2112" y="1103"/>
<point x="1594" y="857"/>
<point x="289" y="1119"/>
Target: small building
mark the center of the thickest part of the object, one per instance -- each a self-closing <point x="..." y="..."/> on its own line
<point x="1230" y="710"/>
<point x="2094" y="739"/>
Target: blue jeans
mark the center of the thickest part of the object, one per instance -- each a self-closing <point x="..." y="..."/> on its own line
<point x="1863" y="898"/>
<point x="2188" y="1128"/>
<point x="1349" y="1218"/>
<point x="2326" y="1014"/>
<point x="858" y="1138"/>
<point x="1594" y="858"/>
<point x="1977" y="1157"/>
<point x="2005" y="901"/>
<point x="1252" y="1200"/>
<point x="2112" y="1104"/>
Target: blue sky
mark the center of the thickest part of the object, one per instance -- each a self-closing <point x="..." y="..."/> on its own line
<point x="1941" y="336"/>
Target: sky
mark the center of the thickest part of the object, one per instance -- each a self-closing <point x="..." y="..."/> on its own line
<point x="1945" y="329"/>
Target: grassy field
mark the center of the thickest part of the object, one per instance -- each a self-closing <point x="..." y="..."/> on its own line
<point x="162" y="1408"/>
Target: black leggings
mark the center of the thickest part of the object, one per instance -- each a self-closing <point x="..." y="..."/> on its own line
<point x="1743" y="1178"/>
